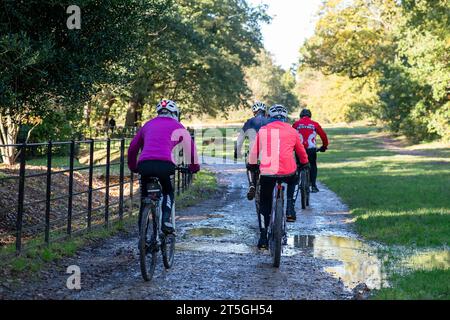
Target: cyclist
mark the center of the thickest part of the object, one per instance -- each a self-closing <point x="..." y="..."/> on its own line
<point x="250" y="129"/>
<point x="308" y="131"/>
<point x="156" y="140"/>
<point x="275" y="146"/>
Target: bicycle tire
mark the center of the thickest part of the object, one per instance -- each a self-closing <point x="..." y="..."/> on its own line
<point x="277" y="232"/>
<point x="257" y="204"/>
<point x="147" y="255"/>
<point x="168" y="245"/>
<point x="308" y="188"/>
<point x="303" y="188"/>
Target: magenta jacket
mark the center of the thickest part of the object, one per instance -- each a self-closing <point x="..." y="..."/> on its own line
<point x="157" y="138"/>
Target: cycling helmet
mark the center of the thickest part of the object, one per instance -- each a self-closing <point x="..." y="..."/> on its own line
<point x="167" y="106"/>
<point x="305" y="113"/>
<point x="278" y="111"/>
<point x="259" y="106"/>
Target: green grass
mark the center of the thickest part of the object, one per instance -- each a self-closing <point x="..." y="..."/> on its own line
<point x="204" y="185"/>
<point x="396" y="199"/>
<point x="418" y="285"/>
<point x="38" y="255"/>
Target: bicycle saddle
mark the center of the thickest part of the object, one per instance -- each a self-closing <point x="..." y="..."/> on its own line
<point x="153" y="185"/>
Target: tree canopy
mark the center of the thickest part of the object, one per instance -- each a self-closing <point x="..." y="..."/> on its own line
<point x="400" y="48"/>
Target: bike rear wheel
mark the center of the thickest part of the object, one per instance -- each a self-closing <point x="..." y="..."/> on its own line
<point x="148" y="244"/>
<point x="303" y="189"/>
<point x="308" y="188"/>
<point x="168" y="245"/>
<point x="277" y="233"/>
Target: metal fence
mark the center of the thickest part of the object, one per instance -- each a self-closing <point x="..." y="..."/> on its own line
<point x="47" y="199"/>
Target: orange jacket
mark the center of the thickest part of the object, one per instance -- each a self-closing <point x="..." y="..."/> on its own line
<point x="274" y="146"/>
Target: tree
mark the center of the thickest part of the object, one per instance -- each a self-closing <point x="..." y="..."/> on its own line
<point x="43" y="63"/>
<point x="400" y="48"/>
<point x="198" y="57"/>
<point x="270" y="83"/>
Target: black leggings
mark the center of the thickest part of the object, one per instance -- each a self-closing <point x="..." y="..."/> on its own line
<point x="312" y="157"/>
<point x="161" y="170"/>
<point x="267" y="185"/>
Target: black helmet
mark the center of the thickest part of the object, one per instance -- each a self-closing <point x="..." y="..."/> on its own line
<point x="305" y="113"/>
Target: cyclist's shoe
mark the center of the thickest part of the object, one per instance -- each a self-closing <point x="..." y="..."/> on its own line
<point x="291" y="215"/>
<point x="251" y="193"/>
<point x="167" y="228"/>
<point x="263" y="243"/>
<point x="285" y="239"/>
<point x="314" y="189"/>
<point x="291" y="218"/>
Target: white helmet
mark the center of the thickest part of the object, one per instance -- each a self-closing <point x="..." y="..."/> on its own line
<point x="259" y="106"/>
<point x="277" y="111"/>
<point x="168" y="105"/>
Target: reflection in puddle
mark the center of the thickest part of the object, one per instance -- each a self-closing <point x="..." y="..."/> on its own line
<point x="220" y="247"/>
<point x="208" y="232"/>
<point x="356" y="261"/>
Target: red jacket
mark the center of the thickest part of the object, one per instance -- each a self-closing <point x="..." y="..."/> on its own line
<point x="308" y="131"/>
<point x="274" y="146"/>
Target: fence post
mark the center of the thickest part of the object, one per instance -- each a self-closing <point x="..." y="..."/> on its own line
<point x="121" y="178"/>
<point x="131" y="191"/>
<point x="178" y="182"/>
<point x="91" y="174"/>
<point x="70" y="204"/>
<point x="19" y="221"/>
<point x="108" y="160"/>
<point x="48" y="192"/>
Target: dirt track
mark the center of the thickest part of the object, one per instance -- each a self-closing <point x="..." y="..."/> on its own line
<point x="216" y="256"/>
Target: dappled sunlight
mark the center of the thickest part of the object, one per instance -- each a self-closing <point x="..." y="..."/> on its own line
<point x="428" y="260"/>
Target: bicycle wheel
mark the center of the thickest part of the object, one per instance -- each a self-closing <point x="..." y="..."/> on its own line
<point x="168" y="245"/>
<point x="308" y="188"/>
<point x="257" y="202"/>
<point x="277" y="232"/>
<point x="303" y="187"/>
<point x="148" y="245"/>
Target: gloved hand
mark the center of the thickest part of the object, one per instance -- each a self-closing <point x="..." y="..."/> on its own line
<point x="322" y="149"/>
<point x="194" y="168"/>
<point x="303" y="166"/>
<point x="252" y="167"/>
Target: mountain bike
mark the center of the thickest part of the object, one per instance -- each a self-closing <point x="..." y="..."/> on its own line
<point x="303" y="187"/>
<point x="151" y="238"/>
<point x="277" y="226"/>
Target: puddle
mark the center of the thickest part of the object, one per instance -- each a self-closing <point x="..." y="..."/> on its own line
<point x="219" y="247"/>
<point x="208" y="232"/>
<point x="355" y="261"/>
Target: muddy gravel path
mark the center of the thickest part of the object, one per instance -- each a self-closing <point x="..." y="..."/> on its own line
<point x="216" y="256"/>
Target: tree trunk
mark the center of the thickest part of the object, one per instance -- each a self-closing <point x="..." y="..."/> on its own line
<point x="87" y="114"/>
<point x="8" y="135"/>
<point x="134" y="113"/>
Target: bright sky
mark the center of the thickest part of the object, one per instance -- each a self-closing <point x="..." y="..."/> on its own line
<point x="292" y="22"/>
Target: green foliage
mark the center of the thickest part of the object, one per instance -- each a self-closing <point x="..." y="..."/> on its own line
<point x="270" y="83"/>
<point x="198" y="58"/>
<point x="335" y="98"/>
<point x="400" y="48"/>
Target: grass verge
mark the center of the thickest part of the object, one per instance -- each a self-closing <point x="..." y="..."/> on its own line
<point x="397" y="199"/>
